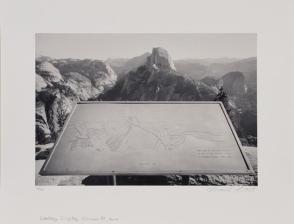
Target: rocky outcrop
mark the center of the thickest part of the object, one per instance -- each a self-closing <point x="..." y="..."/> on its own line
<point x="100" y="73"/>
<point x="233" y="83"/>
<point x="41" y="84"/>
<point x="221" y="180"/>
<point x="53" y="105"/>
<point x="158" y="80"/>
<point x="62" y="83"/>
<point x="42" y="151"/>
<point x="49" y="72"/>
<point x="81" y="86"/>
<point x="158" y="85"/>
<point x="43" y="133"/>
<point x="160" y="59"/>
<point x="58" y="112"/>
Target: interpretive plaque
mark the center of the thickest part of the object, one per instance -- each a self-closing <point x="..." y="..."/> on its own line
<point x="106" y="138"/>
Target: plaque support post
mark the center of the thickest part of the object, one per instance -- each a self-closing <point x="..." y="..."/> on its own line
<point x="114" y="179"/>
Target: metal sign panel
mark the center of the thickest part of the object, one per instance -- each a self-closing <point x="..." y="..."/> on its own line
<point x="106" y="138"/>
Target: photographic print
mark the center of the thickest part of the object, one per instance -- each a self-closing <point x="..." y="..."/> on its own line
<point x="146" y="109"/>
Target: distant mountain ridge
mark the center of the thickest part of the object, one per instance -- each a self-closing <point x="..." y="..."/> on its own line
<point x="123" y="66"/>
<point x="197" y="69"/>
<point x="60" y="83"/>
<point x="160" y="79"/>
<point x="157" y="79"/>
<point x="208" y="61"/>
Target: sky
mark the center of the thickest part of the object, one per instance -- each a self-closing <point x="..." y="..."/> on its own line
<point x="180" y="46"/>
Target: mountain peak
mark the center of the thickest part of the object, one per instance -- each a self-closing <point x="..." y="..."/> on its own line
<point x="160" y="59"/>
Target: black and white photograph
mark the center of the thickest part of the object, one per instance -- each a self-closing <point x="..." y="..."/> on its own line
<point x="146" y="109"/>
<point x="149" y="112"/>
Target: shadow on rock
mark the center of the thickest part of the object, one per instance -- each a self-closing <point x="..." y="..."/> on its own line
<point x="98" y="180"/>
<point x="126" y="180"/>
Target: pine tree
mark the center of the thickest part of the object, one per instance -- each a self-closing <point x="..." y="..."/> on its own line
<point x="234" y="116"/>
<point x="222" y="96"/>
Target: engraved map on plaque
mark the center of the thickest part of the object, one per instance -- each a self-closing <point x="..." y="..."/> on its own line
<point x="147" y="138"/>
